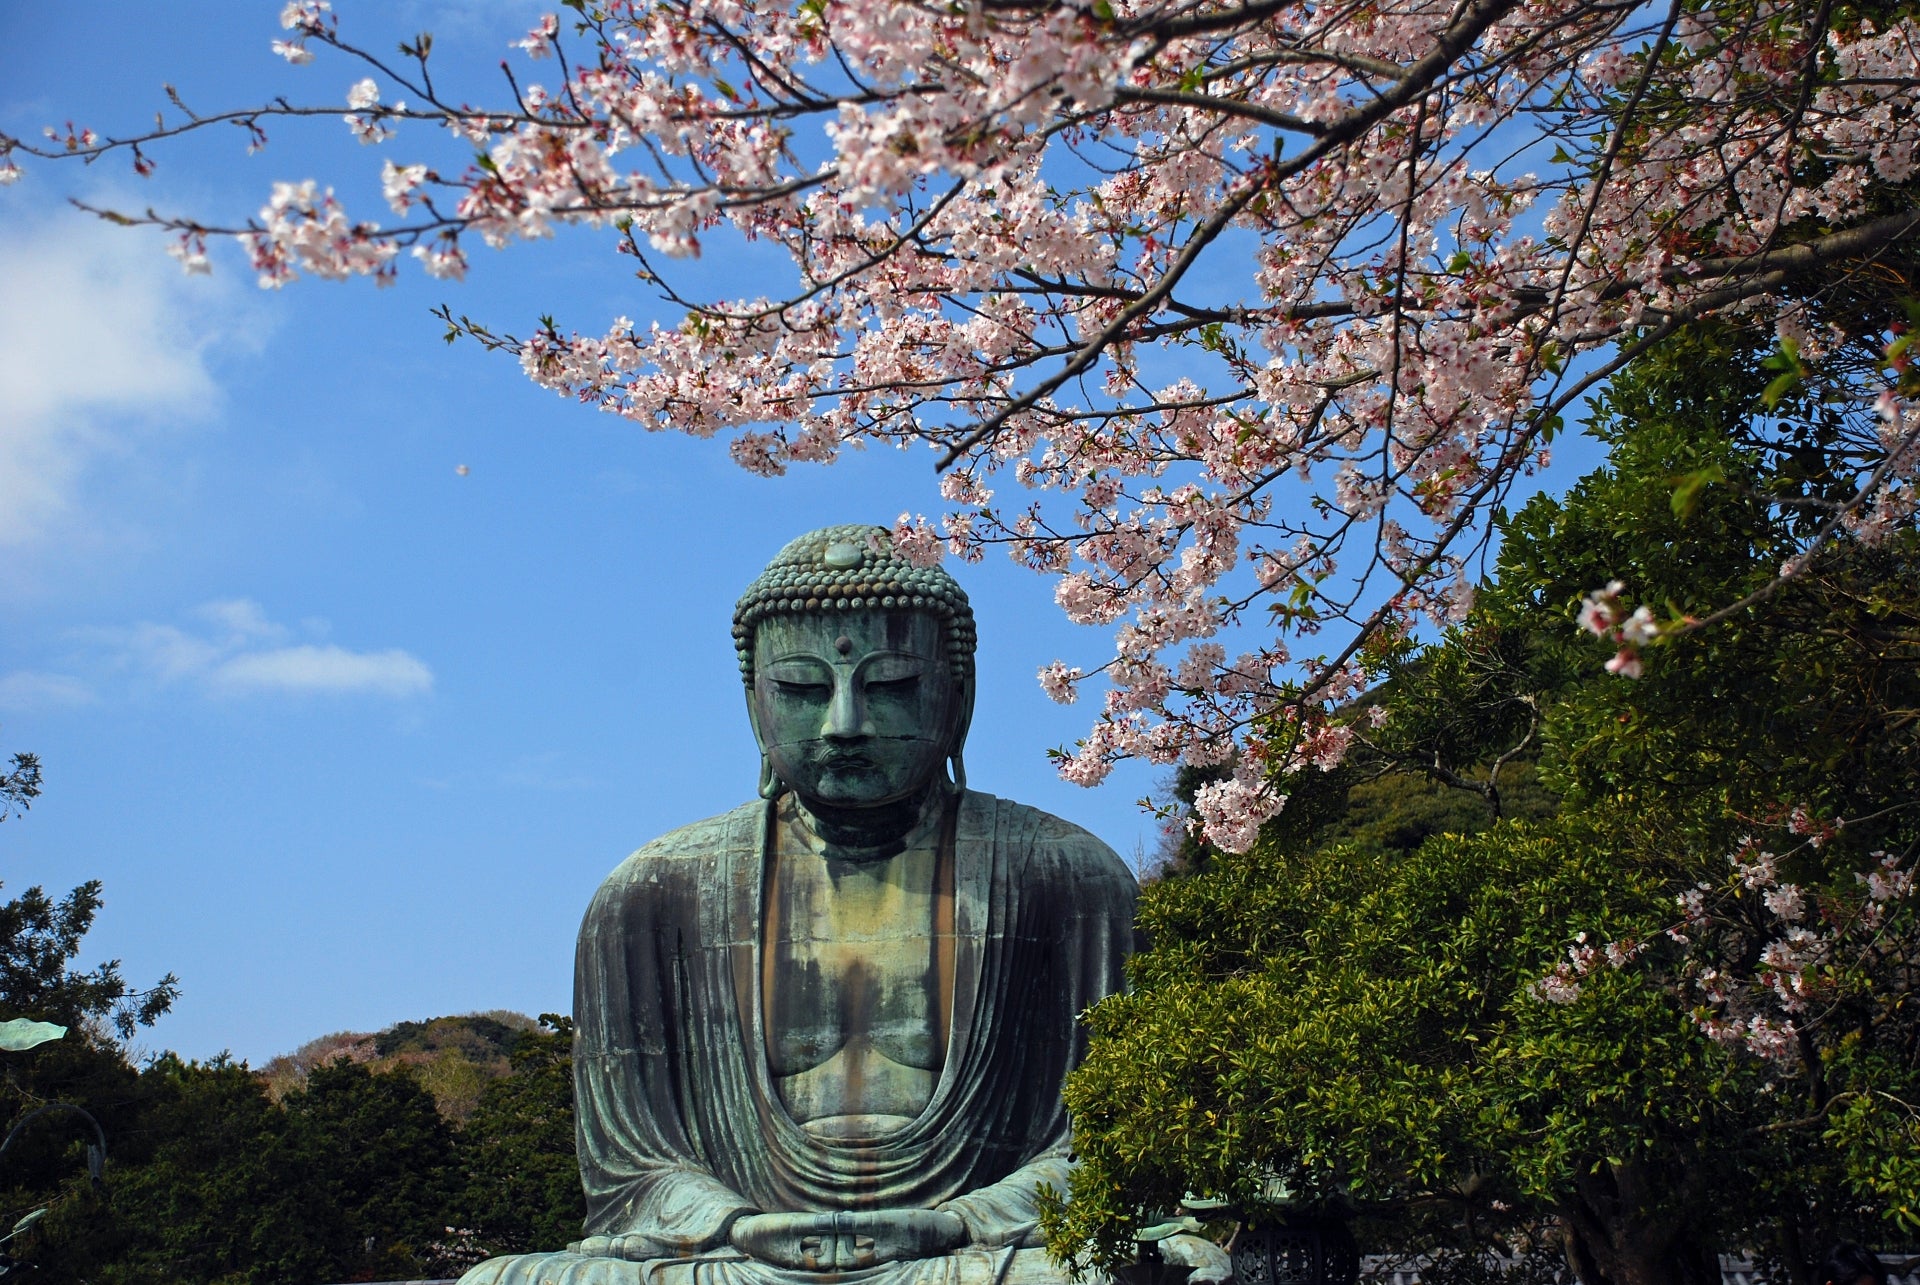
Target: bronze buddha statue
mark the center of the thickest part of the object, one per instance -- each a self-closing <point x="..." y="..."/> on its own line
<point x="824" y="1034"/>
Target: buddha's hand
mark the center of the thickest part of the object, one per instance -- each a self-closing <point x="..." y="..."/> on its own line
<point x="636" y="1248"/>
<point x="844" y="1241"/>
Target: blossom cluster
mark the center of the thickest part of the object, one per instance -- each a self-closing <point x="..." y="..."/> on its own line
<point x="1603" y="615"/>
<point x="1562" y="983"/>
<point x="1758" y="952"/>
<point x="997" y="217"/>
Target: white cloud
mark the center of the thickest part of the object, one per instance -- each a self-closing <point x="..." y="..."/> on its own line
<point x="307" y="668"/>
<point x="242" y="617"/>
<point x="101" y="339"/>
<point x="485" y="21"/>
<point x="237" y="650"/>
<point x="33" y="689"/>
<point x="167" y="653"/>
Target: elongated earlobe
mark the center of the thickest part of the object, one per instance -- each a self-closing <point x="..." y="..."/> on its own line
<point x="963" y="719"/>
<point x="769" y="783"/>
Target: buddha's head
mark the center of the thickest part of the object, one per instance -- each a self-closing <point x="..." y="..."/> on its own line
<point x="859" y="670"/>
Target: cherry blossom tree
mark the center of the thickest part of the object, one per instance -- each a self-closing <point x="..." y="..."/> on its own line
<point x="1262" y="307"/>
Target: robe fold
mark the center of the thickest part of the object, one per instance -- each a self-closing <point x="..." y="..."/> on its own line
<point x="680" y="1125"/>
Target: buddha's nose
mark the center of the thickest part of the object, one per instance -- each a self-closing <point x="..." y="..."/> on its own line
<point x="847" y="715"/>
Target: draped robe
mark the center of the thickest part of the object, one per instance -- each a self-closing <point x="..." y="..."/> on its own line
<point x="681" y="1129"/>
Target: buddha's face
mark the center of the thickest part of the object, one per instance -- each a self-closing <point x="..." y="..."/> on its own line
<point x="854" y="708"/>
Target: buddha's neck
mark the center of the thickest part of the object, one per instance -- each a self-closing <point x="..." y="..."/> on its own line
<point x="875" y="833"/>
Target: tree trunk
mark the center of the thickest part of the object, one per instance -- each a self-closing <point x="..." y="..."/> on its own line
<point x="1612" y="1237"/>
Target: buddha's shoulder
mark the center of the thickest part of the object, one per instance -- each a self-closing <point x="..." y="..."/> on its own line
<point x="691" y="848"/>
<point x="737" y="826"/>
<point x="1045" y="844"/>
<point x="1049" y="843"/>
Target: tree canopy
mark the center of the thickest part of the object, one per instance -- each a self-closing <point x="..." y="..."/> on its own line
<point x="1662" y="1010"/>
<point x="355" y="1172"/>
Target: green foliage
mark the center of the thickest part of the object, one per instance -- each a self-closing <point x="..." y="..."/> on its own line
<point x="1879" y="1141"/>
<point x="354" y="1174"/>
<point x="349" y="1180"/>
<point x="375" y="1162"/>
<point x="39" y="938"/>
<point x="47" y="1161"/>
<point x="481" y="1035"/>
<point x="522" y="1178"/>
<point x="20" y="786"/>
<point x="1399" y="810"/>
<point x="195" y="1191"/>
<point x="1357" y="1011"/>
<point x="1803" y="697"/>
<point x="454" y="1058"/>
<point x="1357" y="1024"/>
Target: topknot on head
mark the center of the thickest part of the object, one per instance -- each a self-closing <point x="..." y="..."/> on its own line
<point x="846" y="568"/>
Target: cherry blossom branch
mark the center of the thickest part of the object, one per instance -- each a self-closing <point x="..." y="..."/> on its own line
<point x="1011" y="217"/>
<point x="1480" y="15"/>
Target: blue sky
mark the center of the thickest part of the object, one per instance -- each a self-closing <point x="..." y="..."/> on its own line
<point x="350" y="737"/>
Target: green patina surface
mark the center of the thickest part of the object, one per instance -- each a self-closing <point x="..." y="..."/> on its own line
<point x="825" y="1034"/>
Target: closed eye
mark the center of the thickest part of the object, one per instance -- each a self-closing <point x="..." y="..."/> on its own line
<point x="800" y="679"/>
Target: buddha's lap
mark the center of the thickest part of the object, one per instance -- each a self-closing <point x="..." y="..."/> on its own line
<point x="970" y="1266"/>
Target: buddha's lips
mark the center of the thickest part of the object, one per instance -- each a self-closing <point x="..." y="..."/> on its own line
<point x="843" y="759"/>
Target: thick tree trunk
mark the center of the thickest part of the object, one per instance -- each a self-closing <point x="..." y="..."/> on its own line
<point x="1614" y="1235"/>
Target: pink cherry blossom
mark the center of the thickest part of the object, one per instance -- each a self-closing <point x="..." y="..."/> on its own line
<point x="191" y="251"/>
<point x="1375" y="247"/>
<point x="1599" y="609"/>
<point x="538" y="43"/>
<point x="1061" y="682"/>
<point x="1626" y="663"/>
<point x="1763" y="983"/>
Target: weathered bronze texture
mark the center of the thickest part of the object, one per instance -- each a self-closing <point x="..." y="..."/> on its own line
<point x="823" y="1036"/>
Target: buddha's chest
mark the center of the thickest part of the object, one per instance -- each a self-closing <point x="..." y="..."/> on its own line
<point x="853" y="985"/>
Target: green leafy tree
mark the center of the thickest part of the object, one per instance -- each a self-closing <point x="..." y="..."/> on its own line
<point x="1359" y="1023"/>
<point x="1486" y="1036"/>
<point x="522" y="1173"/>
<point x="373" y="1165"/>
<point x="330" y="1170"/>
<point x="20" y="786"/>
<point x="349" y="1179"/>
<point x="197" y="1191"/>
<point x="355" y="1176"/>
<point x="40" y="937"/>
